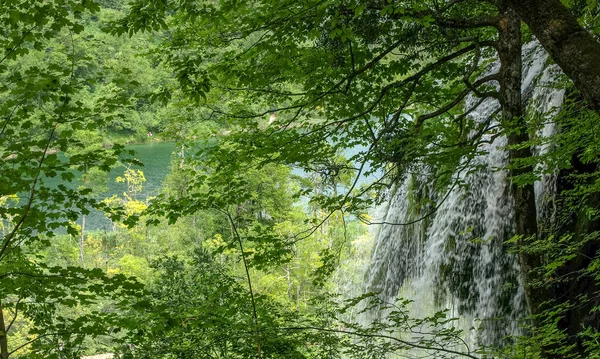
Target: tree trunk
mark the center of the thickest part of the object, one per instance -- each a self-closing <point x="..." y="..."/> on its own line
<point x="576" y="286"/>
<point x="289" y="281"/>
<point x="196" y="241"/>
<point x="3" y="335"/>
<point x="513" y="122"/>
<point x="82" y="240"/>
<point x="573" y="48"/>
<point x="578" y="54"/>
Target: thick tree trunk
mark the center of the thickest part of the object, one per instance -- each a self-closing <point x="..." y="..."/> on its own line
<point x="570" y="45"/>
<point x="578" y="54"/>
<point x="513" y="122"/>
<point x="3" y="337"/>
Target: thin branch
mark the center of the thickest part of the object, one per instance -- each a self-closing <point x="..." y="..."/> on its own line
<point x="311" y="231"/>
<point x="288" y="123"/>
<point x="253" y="45"/>
<point x="428" y="214"/>
<point x="401" y="108"/>
<point x="447" y="21"/>
<point x="10" y="115"/>
<point x="261" y="90"/>
<point x="449" y="5"/>
<point x="254" y="313"/>
<point x="15" y="315"/>
<point x="36" y="339"/>
<point x="8" y="239"/>
<point x="449" y="106"/>
<point x="469" y="23"/>
<point x="458" y="99"/>
<point x="415" y="77"/>
<point x="9" y="52"/>
<point x="371" y="132"/>
<point x="404" y="342"/>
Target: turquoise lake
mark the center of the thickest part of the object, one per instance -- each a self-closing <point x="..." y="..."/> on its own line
<point x="156" y="158"/>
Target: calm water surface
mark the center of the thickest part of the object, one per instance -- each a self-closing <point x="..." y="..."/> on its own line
<point x="156" y="158"/>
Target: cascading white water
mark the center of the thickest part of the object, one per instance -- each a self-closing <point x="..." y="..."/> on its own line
<point x="547" y="98"/>
<point x="455" y="259"/>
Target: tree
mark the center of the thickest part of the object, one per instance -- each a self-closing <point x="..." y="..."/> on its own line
<point x="197" y="309"/>
<point x="43" y="103"/>
<point x="574" y="48"/>
<point x="389" y="78"/>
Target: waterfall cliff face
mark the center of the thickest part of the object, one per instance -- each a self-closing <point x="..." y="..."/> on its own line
<point x="454" y="258"/>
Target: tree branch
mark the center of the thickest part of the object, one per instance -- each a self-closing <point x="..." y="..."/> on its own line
<point x="469" y="23"/>
<point x="368" y="335"/>
<point x="254" y="313"/>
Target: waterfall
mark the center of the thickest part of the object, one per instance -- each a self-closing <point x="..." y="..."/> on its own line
<point x="454" y="259"/>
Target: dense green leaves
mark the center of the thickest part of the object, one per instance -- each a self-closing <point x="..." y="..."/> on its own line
<point x="198" y="310"/>
<point x="50" y="115"/>
<point x="285" y="111"/>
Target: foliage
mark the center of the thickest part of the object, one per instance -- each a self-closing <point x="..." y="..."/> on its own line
<point x="47" y="116"/>
<point x="388" y="82"/>
<point x="283" y="108"/>
<point x="196" y="309"/>
<point x="360" y="91"/>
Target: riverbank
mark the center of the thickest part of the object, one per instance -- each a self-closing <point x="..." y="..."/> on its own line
<point x="113" y="138"/>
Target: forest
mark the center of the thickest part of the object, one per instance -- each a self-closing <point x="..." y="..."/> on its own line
<point x="299" y="179"/>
